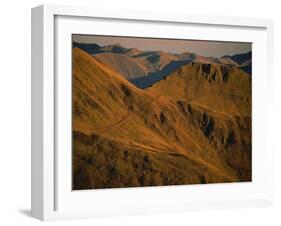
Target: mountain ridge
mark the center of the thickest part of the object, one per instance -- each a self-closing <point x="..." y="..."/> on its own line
<point x="144" y="68"/>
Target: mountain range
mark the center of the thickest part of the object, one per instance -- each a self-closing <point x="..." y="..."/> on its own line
<point x="144" y="68"/>
<point x="191" y="126"/>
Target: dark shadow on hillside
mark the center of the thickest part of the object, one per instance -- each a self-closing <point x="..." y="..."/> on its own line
<point x="247" y="69"/>
<point x="242" y="57"/>
<point x="89" y="48"/>
<point x="151" y="78"/>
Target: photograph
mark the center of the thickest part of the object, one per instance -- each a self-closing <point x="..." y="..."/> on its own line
<point x="159" y="112"/>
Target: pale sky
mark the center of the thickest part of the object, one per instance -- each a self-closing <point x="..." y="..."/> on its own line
<point x="204" y="48"/>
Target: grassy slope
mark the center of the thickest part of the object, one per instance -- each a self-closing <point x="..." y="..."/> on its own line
<point x="129" y="67"/>
<point x="222" y="88"/>
<point x="125" y="136"/>
<point x="217" y="99"/>
<point x="135" y="64"/>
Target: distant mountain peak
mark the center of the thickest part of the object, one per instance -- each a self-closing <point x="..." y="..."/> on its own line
<point x="115" y="48"/>
<point x="133" y="52"/>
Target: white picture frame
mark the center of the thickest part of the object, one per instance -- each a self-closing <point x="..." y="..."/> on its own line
<point x="52" y="197"/>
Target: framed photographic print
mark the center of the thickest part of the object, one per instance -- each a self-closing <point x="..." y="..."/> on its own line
<point x="136" y="112"/>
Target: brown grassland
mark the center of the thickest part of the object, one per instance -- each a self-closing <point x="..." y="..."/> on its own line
<point x="192" y="127"/>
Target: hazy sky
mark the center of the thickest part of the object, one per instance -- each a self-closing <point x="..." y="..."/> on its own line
<point x="204" y="48"/>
